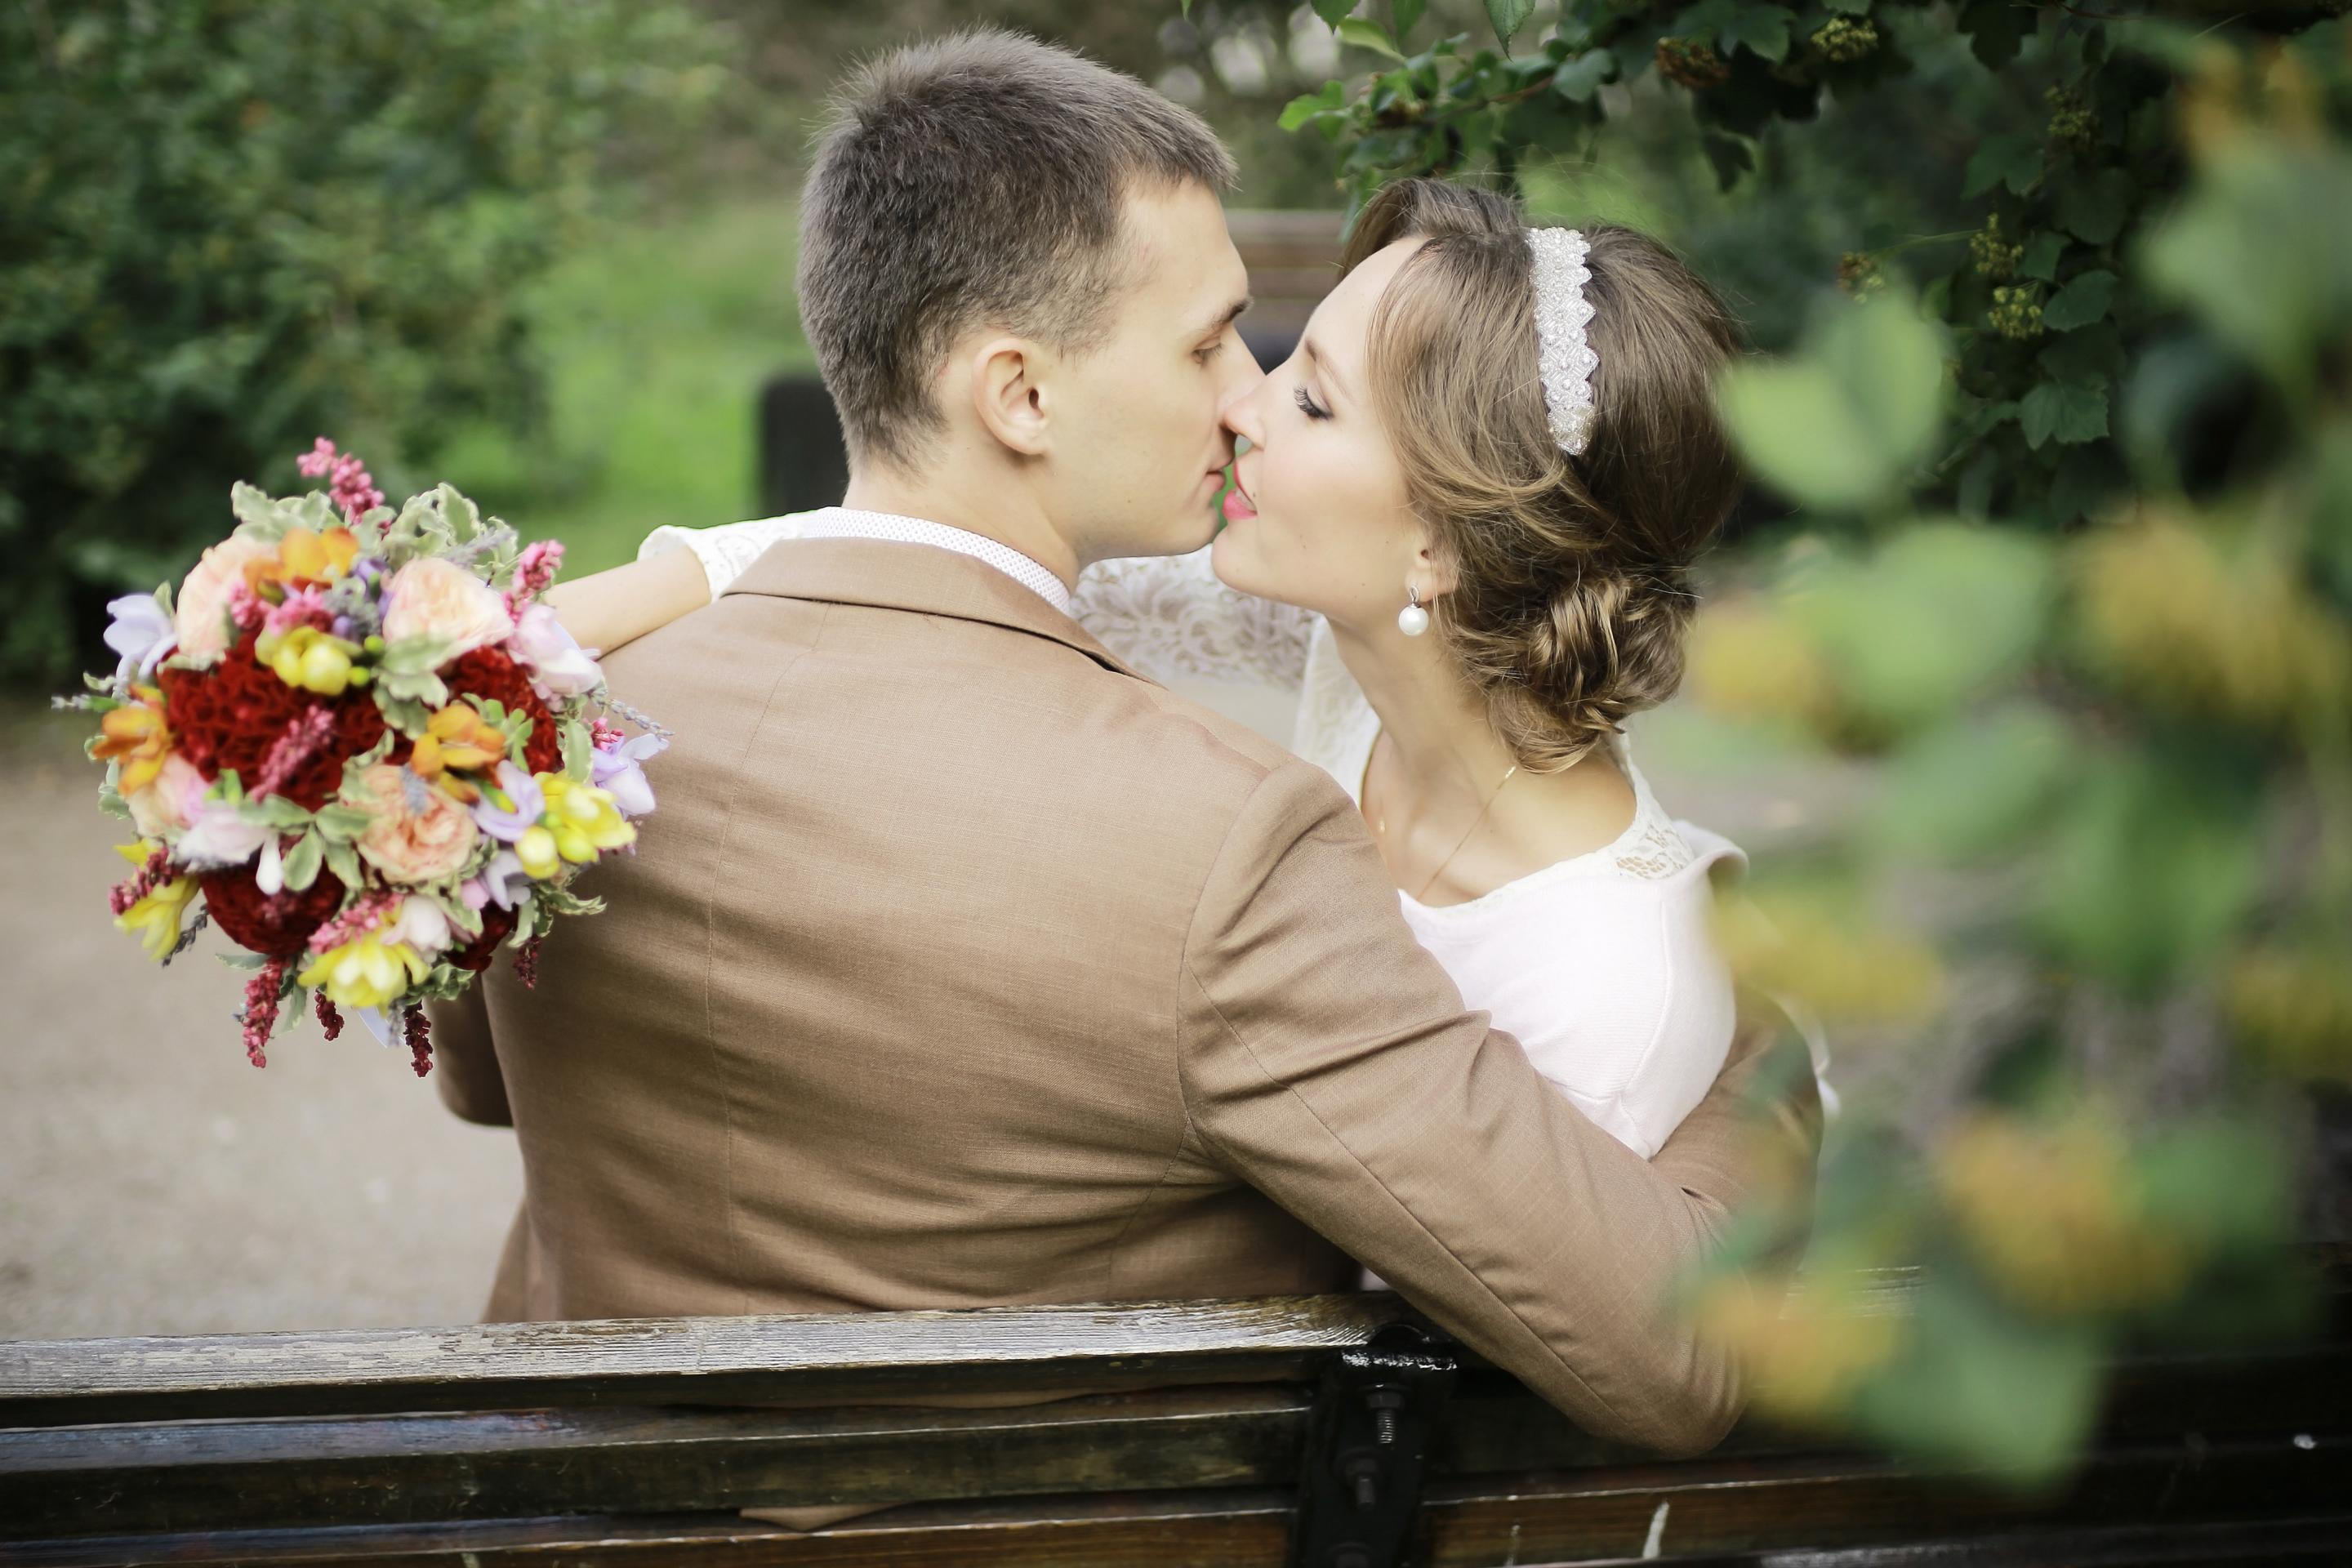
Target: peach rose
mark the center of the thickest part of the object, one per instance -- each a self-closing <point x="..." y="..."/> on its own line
<point x="200" y="611"/>
<point x="419" y="835"/>
<point x="170" y="802"/>
<point x="440" y="599"/>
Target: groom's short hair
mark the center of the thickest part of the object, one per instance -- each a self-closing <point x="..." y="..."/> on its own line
<point x="978" y="179"/>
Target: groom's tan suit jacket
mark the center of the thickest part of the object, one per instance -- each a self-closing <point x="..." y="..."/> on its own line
<point x="960" y="965"/>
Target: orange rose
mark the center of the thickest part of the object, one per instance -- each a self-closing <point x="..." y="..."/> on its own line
<point x="419" y="835"/>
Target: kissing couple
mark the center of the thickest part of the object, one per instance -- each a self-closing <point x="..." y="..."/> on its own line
<point x="975" y="967"/>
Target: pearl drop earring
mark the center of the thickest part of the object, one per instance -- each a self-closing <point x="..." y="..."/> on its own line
<point x="1413" y="620"/>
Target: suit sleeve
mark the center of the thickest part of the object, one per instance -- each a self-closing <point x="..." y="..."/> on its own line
<point x="465" y="1061"/>
<point x="1327" y="1061"/>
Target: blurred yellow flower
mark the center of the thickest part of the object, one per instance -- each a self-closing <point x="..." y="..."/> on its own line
<point x="2050" y="1212"/>
<point x="366" y="971"/>
<point x="155" y="917"/>
<point x="2172" y="618"/>
<point x="1749" y="662"/>
<point x="456" y="739"/>
<point x="308" y="658"/>
<point x="1805" y="1350"/>
<point x="582" y="819"/>
<point x="304" y="557"/>
<point x="2295" y="1006"/>
<point x="1839" y="964"/>
<point x="135" y="735"/>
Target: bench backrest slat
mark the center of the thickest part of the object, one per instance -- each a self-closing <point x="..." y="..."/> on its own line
<point x="832" y="1360"/>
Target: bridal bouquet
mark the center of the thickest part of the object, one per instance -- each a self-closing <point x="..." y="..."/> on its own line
<point x="357" y="743"/>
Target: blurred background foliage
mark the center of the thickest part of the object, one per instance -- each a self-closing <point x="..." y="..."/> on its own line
<point x="2053" y="548"/>
<point x="2063" y="454"/>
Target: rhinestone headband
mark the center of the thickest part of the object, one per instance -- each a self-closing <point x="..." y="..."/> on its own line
<point x="1561" y="311"/>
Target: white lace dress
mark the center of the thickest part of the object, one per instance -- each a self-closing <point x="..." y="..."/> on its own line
<point x="1604" y="965"/>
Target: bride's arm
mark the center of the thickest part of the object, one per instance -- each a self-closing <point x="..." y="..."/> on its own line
<point x="677" y="570"/>
<point x="1169" y="616"/>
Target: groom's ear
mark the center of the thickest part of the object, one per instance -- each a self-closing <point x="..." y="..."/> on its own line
<point x="1008" y="394"/>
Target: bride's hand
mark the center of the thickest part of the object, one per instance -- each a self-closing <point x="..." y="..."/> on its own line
<point x="606" y="609"/>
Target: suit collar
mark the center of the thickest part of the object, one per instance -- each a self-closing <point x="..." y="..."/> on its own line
<point x="916" y="578"/>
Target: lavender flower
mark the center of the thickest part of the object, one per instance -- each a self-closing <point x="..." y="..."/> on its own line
<point x="143" y="634"/>
<point x="525" y="804"/>
<point x="618" y="768"/>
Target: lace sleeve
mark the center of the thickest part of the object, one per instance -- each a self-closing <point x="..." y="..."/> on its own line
<point x="725" y="551"/>
<point x="1169" y="616"/>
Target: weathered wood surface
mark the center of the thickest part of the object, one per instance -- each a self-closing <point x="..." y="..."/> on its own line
<point x="514" y="1444"/>
<point x="828" y="1360"/>
<point x="392" y="1469"/>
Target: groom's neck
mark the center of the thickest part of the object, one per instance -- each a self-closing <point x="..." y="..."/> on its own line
<point x="986" y="506"/>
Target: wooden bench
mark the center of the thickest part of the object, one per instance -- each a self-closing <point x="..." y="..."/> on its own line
<point x="1327" y="1431"/>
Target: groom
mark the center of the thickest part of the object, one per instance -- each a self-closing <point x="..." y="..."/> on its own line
<point x="964" y="966"/>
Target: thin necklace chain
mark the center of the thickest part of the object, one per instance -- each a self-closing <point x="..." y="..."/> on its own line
<point x="1492" y="796"/>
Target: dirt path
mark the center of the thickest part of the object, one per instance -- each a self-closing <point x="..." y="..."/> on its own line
<point x="151" y="1181"/>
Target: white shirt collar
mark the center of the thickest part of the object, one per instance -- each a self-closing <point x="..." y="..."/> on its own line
<point x="841" y="523"/>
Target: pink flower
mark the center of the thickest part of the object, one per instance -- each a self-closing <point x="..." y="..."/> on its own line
<point x="201" y="608"/>
<point x="441" y="600"/>
<point x="557" y="661"/>
<point x="535" y="570"/>
<point x="419" y="835"/>
<point x="170" y="801"/>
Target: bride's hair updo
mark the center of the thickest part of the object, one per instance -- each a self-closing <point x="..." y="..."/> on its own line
<point x="1572" y="596"/>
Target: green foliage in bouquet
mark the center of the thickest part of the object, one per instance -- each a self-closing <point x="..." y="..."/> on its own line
<point x="235" y="223"/>
<point x="2043" y="310"/>
<point x="2111" y="835"/>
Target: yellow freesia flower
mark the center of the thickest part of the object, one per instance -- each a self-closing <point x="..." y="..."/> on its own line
<point x="308" y="658"/>
<point x="306" y="557"/>
<point x="456" y="739"/>
<point x="366" y="971"/>
<point x="155" y="919"/>
<point x="536" y="849"/>
<point x="583" y="819"/>
<point x="135" y="735"/>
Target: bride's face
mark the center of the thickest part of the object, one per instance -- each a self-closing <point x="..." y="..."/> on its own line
<point x="1318" y="516"/>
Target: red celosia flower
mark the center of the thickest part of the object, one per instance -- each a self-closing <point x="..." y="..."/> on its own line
<point x="234" y="714"/>
<point x="488" y="673"/>
<point x="497" y="924"/>
<point x="278" y="926"/>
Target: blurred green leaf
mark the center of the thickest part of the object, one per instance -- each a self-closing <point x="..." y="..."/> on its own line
<point x="2082" y="300"/>
<point x="2039" y="260"/>
<point x="1761" y="30"/>
<point x="2147" y="873"/>
<point x="1579" y="78"/>
<point x="1842" y="424"/>
<point x="1333" y="11"/>
<point x="2013" y="159"/>
<point x="1368" y="34"/>
<point x="1980" y="1384"/>
<point x="2066" y="414"/>
<point x="1406" y="14"/>
<point x="2092" y="206"/>
<point x="2259" y="252"/>
<point x="1508" y="16"/>
<point x="1937" y="616"/>
<point x="1975" y="785"/>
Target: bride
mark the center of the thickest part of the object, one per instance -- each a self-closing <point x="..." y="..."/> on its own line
<point x="1463" y="531"/>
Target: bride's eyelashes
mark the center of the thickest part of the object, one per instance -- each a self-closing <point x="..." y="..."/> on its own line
<point x="1306" y="404"/>
<point x="1207" y="352"/>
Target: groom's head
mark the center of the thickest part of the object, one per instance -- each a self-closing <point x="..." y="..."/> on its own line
<point x="1015" y="270"/>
